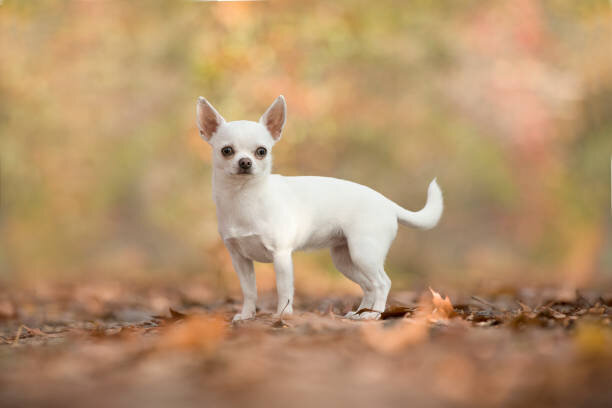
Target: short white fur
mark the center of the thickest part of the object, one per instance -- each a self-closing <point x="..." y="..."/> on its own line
<point x="265" y="217"/>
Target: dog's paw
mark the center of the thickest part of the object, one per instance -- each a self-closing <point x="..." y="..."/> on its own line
<point x="243" y="316"/>
<point x="363" y="315"/>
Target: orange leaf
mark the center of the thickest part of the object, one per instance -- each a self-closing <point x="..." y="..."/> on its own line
<point x="203" y="333"/>
<point x="443" y="308"/>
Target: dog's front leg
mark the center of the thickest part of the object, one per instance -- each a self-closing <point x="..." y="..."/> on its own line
<point x="283" y="267"/>
<point x="246" y="274"/>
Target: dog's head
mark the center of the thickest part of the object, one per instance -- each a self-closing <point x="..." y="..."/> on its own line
<point x="242" y="148"/>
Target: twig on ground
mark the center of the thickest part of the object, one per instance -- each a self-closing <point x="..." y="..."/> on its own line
<point x="280" y="323"/>
<point x="491" y="305"/>
<point x="17" y="336"/>
<point x="523" y="306"/>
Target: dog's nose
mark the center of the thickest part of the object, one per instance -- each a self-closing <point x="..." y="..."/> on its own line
<point x="245" y="163"/>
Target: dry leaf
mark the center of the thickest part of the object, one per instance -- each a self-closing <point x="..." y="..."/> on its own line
<point x="443" y="308"/>
<point x="593" y="339"/>
<point x="397" y="311"/>
<point x="28" y="333"/>
<point x="35" y="331"/>
<point x="556" y="314"/>
<point x="195" y="333"/>
<point x="391" y="311"/>
<point x="280" y="324"/>
<point x="174" y="316"/>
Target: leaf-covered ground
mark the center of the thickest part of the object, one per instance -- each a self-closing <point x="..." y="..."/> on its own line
<point x="121" y="345"/>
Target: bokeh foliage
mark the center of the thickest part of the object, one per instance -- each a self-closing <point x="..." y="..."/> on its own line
<point x="507" y="103"/>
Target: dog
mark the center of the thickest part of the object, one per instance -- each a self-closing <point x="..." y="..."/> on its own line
<point x="265" y="217"/>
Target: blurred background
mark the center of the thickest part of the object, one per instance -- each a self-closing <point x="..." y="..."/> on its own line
<point x="509" y="103"/>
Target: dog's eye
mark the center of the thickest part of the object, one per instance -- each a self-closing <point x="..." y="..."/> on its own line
<point x="261" y="152"/>
<point x="227" y="151"/>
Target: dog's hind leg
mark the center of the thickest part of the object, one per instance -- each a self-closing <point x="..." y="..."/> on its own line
<point x="368" y="255"/>
<point x="342" y="260"/>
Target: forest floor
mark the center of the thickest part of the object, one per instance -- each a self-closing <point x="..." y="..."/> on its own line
<point x="110" y="344"/>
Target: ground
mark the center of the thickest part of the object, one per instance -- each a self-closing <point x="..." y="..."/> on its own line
<point x="111" y="344"/>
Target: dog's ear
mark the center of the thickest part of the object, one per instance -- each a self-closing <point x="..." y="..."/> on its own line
<point x="208" y="118"/>
<point x="274" y="118"/>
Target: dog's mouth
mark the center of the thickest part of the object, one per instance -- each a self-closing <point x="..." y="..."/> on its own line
<point x="243" y="172"/>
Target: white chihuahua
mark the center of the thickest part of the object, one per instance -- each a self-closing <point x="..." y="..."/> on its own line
<point x="264" y="217"/>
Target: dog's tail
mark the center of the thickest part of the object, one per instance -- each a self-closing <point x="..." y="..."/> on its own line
<point x="427" y="217"/>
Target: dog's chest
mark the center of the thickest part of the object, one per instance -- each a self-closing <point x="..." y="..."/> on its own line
<point x="251" y="247"/>
<point x="247" y="224"/>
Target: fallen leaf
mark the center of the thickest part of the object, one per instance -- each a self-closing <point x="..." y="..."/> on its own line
<point x="28" y="333"/>
<point x="280" y="324"/>
<point x="397" y="311"/>
<point x="365" y="310"/>
<point x="35" y="331"/>
<point x="597" y="310"/>
<point x="443" y="308"/>
<point x="174" y="316"/>
<point x="593" y="339"/>
<point x="555" y="314"/>
<point x="195" y="333"/>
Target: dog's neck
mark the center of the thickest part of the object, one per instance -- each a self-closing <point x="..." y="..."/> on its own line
<point x="230" y="186"/>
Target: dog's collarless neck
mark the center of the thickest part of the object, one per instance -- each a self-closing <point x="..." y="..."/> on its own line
<point x="225" y="184"/>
